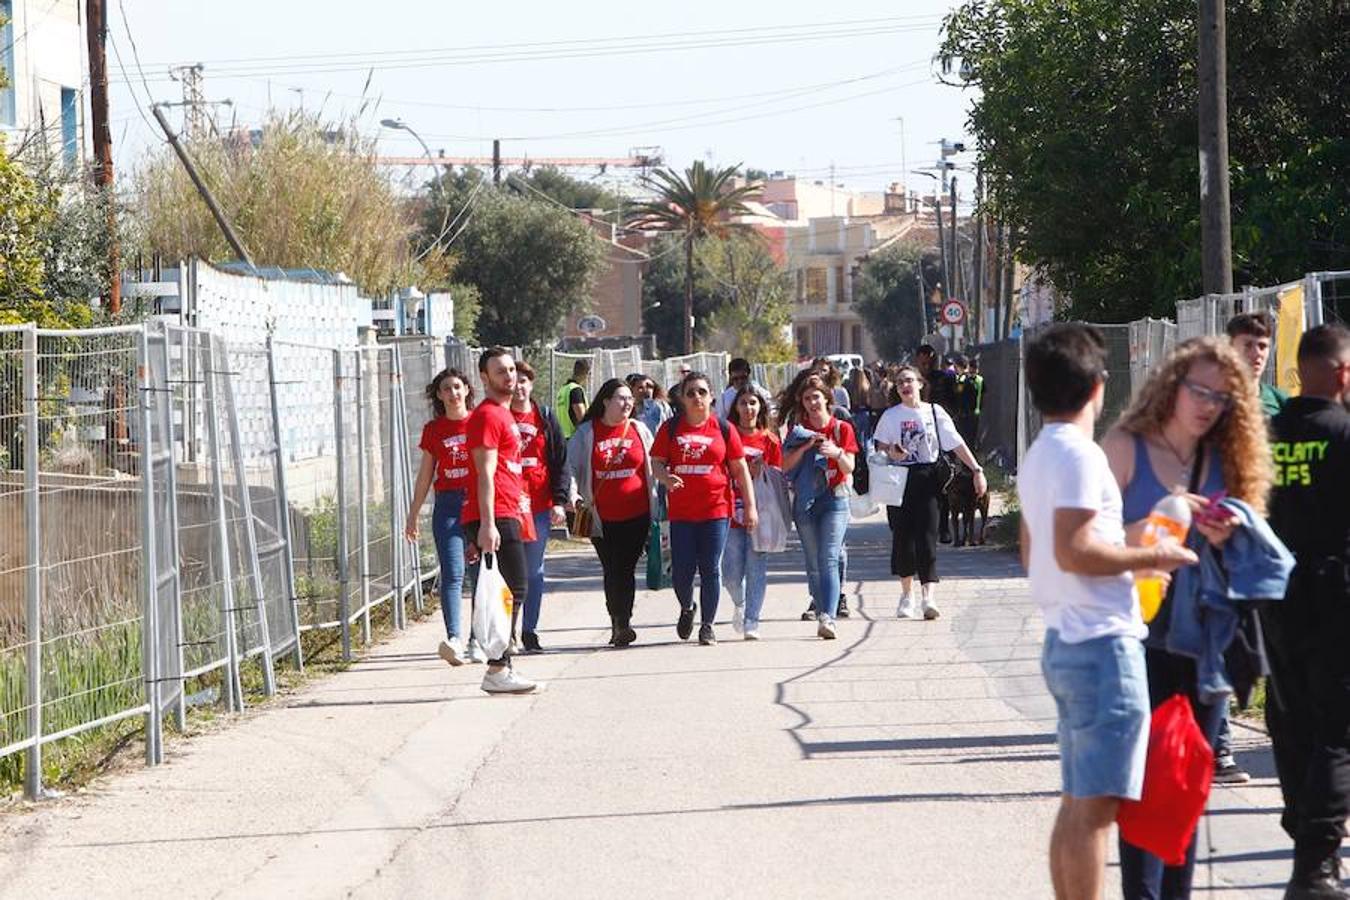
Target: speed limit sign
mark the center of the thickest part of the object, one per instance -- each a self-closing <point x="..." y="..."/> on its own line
<point x="953" y="312"/>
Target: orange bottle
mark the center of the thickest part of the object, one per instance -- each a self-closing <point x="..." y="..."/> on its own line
<point x="1170" y="520"/>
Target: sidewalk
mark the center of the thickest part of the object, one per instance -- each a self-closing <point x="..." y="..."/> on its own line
<point x="910" y="758"/>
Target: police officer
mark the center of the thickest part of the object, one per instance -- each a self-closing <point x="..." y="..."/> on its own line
<point x="1308" y="634"/>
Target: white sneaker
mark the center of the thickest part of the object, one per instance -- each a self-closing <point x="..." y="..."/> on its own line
<point x="906" y="609"/>
<point x="506" y="681"/>
<point x="476" y="654"/>
<point x="738" y="621"/>
<point x="825" y="628"/>
<point x="930" y="610"/>
<point x="752" y="634"/>
<point x="452" y="651"/>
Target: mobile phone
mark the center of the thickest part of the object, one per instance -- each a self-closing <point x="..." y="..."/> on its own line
<point x="1213" y="511"/>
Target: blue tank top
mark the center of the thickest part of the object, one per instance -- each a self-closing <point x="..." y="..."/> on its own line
<point x="1145" y="490"/>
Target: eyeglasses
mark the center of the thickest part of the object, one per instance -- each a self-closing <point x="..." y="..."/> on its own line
<point x="696" y="392"/>
<point x="622" y="398"/>
<point x="1221" y="399"/>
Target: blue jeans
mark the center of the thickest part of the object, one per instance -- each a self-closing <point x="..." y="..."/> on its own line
<point x="821" y="530"/>
<point x="448" y="532"/>
<point x="698" y="546"/>
<point x="745" y="571"/>
<point x="534" y="570"/>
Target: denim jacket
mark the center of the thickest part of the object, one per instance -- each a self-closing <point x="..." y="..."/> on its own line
<point x="810" y="477"/>
<point x="1252" y="565"/>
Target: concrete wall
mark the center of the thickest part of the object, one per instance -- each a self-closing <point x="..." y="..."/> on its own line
<point x="48" y="53"/>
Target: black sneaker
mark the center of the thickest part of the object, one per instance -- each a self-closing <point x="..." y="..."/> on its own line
<point x="624" y="635"/>
<point x="706" y="637"/>
<point x="1227" y="771"/>
<point x="685" y="626"/>
<point x="810" y="614"/>
<point x="842" y="612"/>
<point x="531" y="642"/>
<point x="944" y="537"/>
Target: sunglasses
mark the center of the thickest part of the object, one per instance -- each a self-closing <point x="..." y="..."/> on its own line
<point x="1221" y="399"/>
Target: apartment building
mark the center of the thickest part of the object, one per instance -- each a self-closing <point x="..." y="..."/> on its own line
<point x="43" y="55"/>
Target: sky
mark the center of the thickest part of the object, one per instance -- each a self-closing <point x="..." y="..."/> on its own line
<point x="791" y="87"/>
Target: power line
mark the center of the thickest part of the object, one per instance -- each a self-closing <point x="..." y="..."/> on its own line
<point x="282" y="69"/>
<point x="588" y="41"/>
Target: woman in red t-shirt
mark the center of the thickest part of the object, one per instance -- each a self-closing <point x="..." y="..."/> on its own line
<point x="745" y="569"/>
<point x="445" y="465"/>
<point x="819" y="455"/>
<point x="696" y="456"/>
<point x="608" y="456"/>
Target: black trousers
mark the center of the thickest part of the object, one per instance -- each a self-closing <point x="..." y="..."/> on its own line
<point x="511" y="560"/>
<point x="1308" y="704"/>
<point x="914" y="527"/>
<point x="619" y="546"/>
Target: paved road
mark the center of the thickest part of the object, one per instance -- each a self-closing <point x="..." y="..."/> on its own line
<point x="906" y="758"/>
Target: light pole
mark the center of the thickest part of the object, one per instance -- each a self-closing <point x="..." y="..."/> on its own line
<point x="400" y="125"/>
<point x="945" y="288"/>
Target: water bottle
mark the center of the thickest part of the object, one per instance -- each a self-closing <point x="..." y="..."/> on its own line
<point x="1169" y="521"/>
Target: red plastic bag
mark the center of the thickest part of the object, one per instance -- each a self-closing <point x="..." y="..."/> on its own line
<point x="1177" y="777"/>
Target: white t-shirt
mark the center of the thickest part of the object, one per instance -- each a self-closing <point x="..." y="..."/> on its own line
<point x="912" y="429"/>
<point x="1064" y="469"/>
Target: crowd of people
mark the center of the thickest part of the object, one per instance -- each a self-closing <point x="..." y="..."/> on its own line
<point x="507" y="470"/>
<point x="1258" y="584"/>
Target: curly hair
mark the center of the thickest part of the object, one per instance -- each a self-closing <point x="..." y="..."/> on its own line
<point x="1239" y="435"/>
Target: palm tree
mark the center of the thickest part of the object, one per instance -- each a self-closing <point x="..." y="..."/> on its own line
<point x="697" y="204"/>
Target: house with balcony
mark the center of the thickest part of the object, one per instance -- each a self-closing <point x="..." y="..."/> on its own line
<point x="43" y="55"/>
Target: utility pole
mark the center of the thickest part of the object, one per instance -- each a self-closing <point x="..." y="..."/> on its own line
<point x="496" y="162"/>
<point x="217" y="213"/>
<point x="998" y="280"/>
<point x="97" y="34"/>
<point x="944" y="289"/>
<point x="1009" y="270"/>
<point x="957" y="281"/>
<point x="1216" y="230"/>
<point x="194" y="99"/>
<point x="976" y="319"/>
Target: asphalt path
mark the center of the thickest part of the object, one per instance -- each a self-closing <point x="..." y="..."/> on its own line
<point x="906" y="759"/>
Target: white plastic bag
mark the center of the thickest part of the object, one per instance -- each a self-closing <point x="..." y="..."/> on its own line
<point x="886" y="481"/>
<point x="770" y="536"/>
<point x="492" y="603"/>
<point x="860" y="506"/>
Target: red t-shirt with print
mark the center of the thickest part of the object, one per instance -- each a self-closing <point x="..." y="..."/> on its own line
<point x="618" y="475"/>
<point x="699" y="456"/>
<point x="762" y="445"/>
<point x="534" y="458"/>
<point x="443" y="439"/>
<point x="841" y="433"/>
<point x="491" y="426"/>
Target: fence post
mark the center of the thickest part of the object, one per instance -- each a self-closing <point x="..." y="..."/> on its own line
<point x="363" y="498"/>
<point x="344" y="605"/>
<point x="1312" y="300"/>
<point x="283" y="504"/>
<point x="399" y="464"/>
<point x="32" y="520"/>
<point x="171" y="478"/>
<point x="234" y="693"/>
<point x="149" y="570"/>
<point x="250" y="532"/>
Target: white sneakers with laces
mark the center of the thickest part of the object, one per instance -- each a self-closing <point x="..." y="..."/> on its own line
<point x="452" y="651"/>
<point x="506" y="681"/>
<point x="824" y="627"/>
<point x="907" y="608"/>
<point x="930" y="610"/>
<point x="738" y="621"/>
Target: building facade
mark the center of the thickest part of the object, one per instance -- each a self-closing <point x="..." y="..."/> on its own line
<point x="43" y="55"/>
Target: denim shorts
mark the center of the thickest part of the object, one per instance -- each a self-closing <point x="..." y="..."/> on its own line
<point x="1100" y="688"/>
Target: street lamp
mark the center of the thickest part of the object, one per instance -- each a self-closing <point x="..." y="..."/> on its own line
<point x="400" y="125"/>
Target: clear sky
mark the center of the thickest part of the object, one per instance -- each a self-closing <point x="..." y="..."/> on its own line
<point x="796" y="87"/>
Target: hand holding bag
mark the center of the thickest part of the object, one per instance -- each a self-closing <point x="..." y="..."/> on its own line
<point x="492" y="604"/>
<point x="1177" y="778"/>
<point x="770" y="536"/>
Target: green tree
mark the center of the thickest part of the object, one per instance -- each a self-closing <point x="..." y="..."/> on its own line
<point x="1086" y="120"/>
<point x="695" y="205"/>
<point x="532" y="264"/>
<point x="306" y="193"/>
<point x="754" y="297"/>
<point x="888" y="296"/>
<point x="570" y="192"/>
<point x="663" y="297"/>
<point x="46" y="275"/>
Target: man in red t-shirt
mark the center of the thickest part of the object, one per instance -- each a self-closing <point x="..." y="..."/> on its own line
<point x="496" y="503"/>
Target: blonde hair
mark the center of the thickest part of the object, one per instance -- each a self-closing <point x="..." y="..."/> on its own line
<point x="1239" y="435"/>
